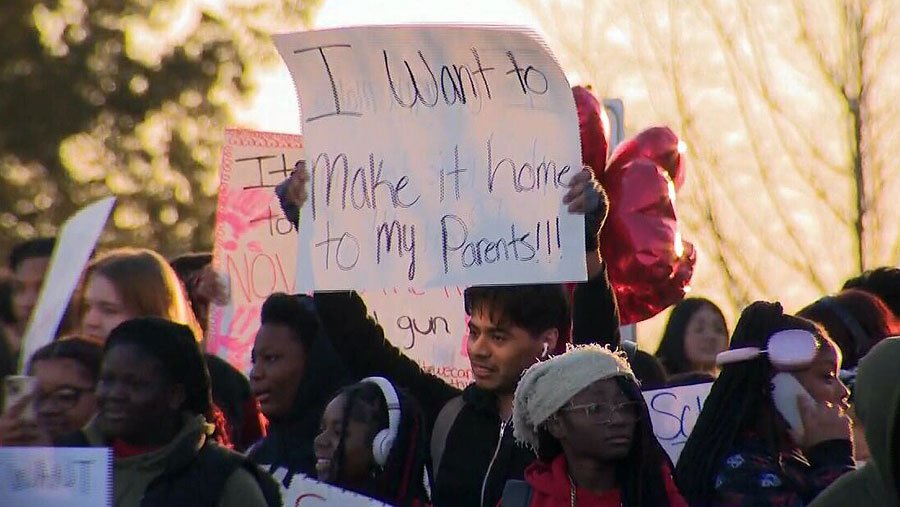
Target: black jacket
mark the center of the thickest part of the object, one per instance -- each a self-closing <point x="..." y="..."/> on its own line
<point x="475" y="457"/>
<point x="192" y="470"/>
<point x="477" y="460"/>
<point x="289" y="443"/>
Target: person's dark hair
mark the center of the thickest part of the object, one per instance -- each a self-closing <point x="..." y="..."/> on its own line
<point x="401" y="481"/>
<point x="7" y="315"/>
<point x="639" y="474"/>
<point x="671" y="347"/>
<point x="689" y="378"/>
<point x="186" y="265"/>
<point x="7" y="358"/>
<point x="648" y="370"/>
<point x="883" y="282"/>
<point x="296" y="312"/>
<point x="856" y="320"/>
<point x="740" y="400"/>
<point x="535" y="308"/>
<point x="181" y="360"/>
<point x="87" y="353"/>
<point x="30" y="249"/>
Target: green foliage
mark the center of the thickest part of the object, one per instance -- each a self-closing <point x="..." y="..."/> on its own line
<point x="125" y="97"/>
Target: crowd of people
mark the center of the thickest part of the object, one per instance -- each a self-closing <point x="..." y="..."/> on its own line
<point x="803" y="408"/>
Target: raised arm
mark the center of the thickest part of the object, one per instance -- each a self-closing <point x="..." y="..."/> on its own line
<point x="366" y="351"/>
<point x="595" y="316"/>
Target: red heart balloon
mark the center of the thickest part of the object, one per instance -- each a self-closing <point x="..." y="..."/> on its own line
<point x="648" y="263"/>
<point x="593" y="125"/>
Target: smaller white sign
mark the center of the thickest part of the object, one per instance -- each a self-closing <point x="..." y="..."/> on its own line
<point x="74" y="244"/>
<point x="308" y="492"/>
<point x="674" y="412"/>
<point x="55" y="476"/>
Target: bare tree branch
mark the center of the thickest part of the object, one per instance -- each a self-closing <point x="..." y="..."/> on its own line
<point x="770" y="183"/>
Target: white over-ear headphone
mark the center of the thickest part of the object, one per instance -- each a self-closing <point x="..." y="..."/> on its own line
<point x="384" y="440"/>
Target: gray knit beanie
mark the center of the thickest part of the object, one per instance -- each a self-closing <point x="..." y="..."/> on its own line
<point x="548" y="385"/>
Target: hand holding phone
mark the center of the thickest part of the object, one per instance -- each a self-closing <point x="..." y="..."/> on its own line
<point x="809" y="421"/>
<point x="16" y="389"/>
<point x="18" y="426"/>
<point x="823" y="422"/>
<point x="786" y="391"/>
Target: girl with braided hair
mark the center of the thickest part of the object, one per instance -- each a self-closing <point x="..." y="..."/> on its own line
<point x="372" y="441"/>
<point x="743" y="450"/>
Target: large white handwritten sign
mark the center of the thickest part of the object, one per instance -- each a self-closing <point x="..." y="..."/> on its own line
<point x="674" y="413"/>
<point x="308" y="492"/>
<point x="55" y="476"/>
<point x="438" y="156"/>
<point x="254" y="243"/>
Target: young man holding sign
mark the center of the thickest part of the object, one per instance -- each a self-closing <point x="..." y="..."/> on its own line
<point x="510" y="327"/>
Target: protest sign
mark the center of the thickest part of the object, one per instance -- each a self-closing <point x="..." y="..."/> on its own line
<point x="55" y="476"/>
<point x="74" y="245"/>
<point x="255" y="245"/>
<point x="428" y="326"/>
<point x="307" y="492"/>
<point x="438" y="156"/>
<point x="674" y="413"/>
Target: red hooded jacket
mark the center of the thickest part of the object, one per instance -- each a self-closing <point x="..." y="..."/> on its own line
<point x="551" y="488"/>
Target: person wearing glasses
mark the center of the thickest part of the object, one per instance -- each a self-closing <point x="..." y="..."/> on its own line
<point x="584" y="415"/>
<point x="66" y="373"/>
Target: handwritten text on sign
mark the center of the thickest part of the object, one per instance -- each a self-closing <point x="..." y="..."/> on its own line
<point x="428" y="326"/>
<point x="438" y="157"/>
<point x="55" y="476"/>
<point x="255" y="245"/>
<point x="674" y="413"/>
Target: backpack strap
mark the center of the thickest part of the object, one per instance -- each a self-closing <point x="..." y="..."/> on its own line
<point x="516" y="493"/>
<point x="212" y="468"/>
<point x="441" y="430"/>
<point x="267" y="484"/>
<point x="228" y="461"/>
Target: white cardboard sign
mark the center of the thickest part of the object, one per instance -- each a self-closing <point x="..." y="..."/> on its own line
<point x="438" y="156"/>
<point x="308" y="492"/>
<point x="55" y="476"/>
<point x="674" y="413"/>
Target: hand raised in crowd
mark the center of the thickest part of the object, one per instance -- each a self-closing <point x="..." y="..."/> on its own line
<point x="212" y="287"/>
<point x="296" y="191"/>
<point x="585" y="193"/>
<point x="822" y="422"/>
<point x="18" y="431"/>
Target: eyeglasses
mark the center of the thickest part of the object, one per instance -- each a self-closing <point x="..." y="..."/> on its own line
<point x="61" y="399"/>
<point x="603" y="413"/>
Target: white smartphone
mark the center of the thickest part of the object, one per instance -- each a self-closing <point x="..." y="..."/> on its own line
<point x="785" y="389"/>
<point x="16" y="387"/>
